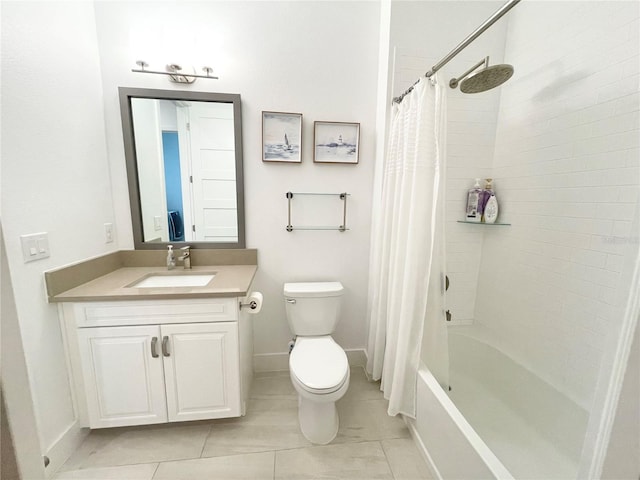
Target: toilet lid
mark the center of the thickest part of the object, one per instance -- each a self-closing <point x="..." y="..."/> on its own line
<point x="319" y="363"/>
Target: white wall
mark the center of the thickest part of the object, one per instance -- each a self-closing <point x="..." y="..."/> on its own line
<point x="566" y="164"/>
<point x="55" y="178"/>
<point x="314" y="58"/>
<point x="146" y="117"/>
<point x="168" y="116"/>
<point x="15" y="389"/>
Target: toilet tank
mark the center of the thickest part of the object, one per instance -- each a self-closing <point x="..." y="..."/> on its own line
<point x="313" y="308"/>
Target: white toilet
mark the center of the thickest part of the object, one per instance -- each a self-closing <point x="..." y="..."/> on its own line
<point x="318" y="365"/>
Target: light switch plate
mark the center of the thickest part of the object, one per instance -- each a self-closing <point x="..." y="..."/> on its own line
<point x="108" y="232"/>
<point x="35" y="246"/>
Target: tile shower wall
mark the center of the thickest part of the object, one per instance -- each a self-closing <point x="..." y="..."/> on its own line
<point x="566" y="169"/>
<point x="471" y="120"/>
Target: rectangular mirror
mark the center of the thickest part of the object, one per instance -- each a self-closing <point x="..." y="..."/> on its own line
<point x="184" y="167"/>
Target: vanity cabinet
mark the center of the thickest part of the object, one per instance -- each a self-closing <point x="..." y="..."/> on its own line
<point x="145" y="362"/>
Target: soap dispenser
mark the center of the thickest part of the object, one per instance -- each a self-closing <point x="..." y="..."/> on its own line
<point x="171" y="258"/>
<point x="473" y="199"/>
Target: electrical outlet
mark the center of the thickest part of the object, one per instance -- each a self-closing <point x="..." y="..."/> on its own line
<point x="157" y="222"/>
<point x="108" y="232"/>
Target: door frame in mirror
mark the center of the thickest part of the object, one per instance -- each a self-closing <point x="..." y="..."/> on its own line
<point x="126" y="94"/>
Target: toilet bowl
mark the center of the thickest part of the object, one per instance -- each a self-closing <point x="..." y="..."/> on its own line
<point x="318" y="366"/>
<point x="320" y="374"/>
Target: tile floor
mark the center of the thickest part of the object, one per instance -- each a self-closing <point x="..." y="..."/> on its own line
<point x="265" y="444"/>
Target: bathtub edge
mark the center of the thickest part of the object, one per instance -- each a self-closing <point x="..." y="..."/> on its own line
<point x="483" y="452"/>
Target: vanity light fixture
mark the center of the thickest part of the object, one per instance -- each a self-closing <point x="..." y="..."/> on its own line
<point x="174" y="71"/>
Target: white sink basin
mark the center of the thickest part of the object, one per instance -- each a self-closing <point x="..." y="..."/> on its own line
<point x="169" y="280"/>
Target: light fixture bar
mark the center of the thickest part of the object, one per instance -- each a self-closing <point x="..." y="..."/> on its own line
<point x="175" y="72"/>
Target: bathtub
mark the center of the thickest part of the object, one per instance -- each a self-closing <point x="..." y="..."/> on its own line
<point x="498" y="421"/>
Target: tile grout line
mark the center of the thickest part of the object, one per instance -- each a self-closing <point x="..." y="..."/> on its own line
<point x="204" y="444"/>
<point x="386" y="457"/>
<point x="205" y="458"/>
<point x="274" y="464"/>
<point x="288" y="449"/>
<point x="155" y="471"/>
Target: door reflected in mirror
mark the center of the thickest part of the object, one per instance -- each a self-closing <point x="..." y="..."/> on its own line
<point x="186" y="165"/>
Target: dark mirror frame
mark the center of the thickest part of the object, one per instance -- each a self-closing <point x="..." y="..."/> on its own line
<point x="126" y="94"/>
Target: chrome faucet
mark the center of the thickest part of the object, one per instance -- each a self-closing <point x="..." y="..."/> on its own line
<point x="186" y="257"/>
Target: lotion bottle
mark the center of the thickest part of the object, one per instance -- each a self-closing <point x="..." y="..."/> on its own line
<point x="491" y="210"/>
<point x="473" y="200"/>
<point x="485" y="195"/>
<point x="171" y="258"/>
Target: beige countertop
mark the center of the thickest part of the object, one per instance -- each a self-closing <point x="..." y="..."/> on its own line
<point x="229" y="281"/>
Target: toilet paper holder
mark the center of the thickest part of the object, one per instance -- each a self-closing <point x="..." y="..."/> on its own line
<point x="252" y="305"/>
<point x="253" y="302"/>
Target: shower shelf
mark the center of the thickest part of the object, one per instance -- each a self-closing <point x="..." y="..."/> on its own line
<point x="496" y="224"/>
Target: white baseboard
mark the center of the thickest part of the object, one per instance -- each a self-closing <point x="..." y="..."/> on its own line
<point x="273" y="362"/>
<point x="270" y="362"/>
<point x="357" y="357"/>
<point x="62" y="448"/>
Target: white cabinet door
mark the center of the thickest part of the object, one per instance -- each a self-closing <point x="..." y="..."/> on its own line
<point x="202" y="368"/>
<point x="123" y="375"/>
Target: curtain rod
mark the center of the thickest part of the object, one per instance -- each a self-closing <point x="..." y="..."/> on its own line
<point x="476" y="33"/>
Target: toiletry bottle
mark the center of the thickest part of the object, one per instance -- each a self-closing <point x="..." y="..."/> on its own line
<point x="472" y="203"/>
<point x="491" y="210"/>
<point x="484" y="197"/>
<point x="171" y="258"/>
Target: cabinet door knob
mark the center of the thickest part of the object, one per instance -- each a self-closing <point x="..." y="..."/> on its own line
<point x="154" y="347"/>
<point x="165" y="346"/>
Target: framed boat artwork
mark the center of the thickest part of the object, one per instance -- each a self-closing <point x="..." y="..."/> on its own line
<point x="281" y="137"/>
<point x="336" y="142"/>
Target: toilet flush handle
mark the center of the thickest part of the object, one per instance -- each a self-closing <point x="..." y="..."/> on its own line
<point x="291" y="300"/>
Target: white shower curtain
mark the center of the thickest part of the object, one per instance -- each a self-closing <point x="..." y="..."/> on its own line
<point x="405" y="232"/>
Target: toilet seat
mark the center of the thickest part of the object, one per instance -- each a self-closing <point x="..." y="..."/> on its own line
<point x="319" y="364"/>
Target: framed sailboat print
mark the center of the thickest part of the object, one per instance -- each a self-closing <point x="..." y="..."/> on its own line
<point x="336" y="142"/>
<point x="281" y="137"/>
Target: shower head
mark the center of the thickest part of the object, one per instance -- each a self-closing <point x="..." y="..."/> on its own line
<point x="486" y="79"/>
